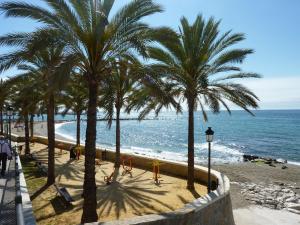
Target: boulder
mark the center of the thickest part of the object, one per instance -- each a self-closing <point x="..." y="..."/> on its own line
<point x="281" y="161"/>
<point x="292" y="205"/>
<point x="249" y="157"/>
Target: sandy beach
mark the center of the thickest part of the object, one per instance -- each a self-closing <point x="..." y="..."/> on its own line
<point x="129" y="195"/>
<point x="240" y="174"/>
<point x="40" y="129"/>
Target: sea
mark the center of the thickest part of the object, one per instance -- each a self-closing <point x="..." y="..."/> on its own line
<point x="270" y="133"/>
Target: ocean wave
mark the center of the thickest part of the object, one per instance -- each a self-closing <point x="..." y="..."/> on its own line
<point x="294" y="163"/>
<point x="176" y="156"/>
<point x="221" y="148"/>
<point x="63" y="134"/>
<point x="220" y="153"/>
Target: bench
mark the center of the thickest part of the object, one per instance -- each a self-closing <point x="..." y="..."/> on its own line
<point x="64" y="195"/>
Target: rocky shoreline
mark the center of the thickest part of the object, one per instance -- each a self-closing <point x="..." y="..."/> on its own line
<point x="274" y="196"/>
<point x="270" y="161"/>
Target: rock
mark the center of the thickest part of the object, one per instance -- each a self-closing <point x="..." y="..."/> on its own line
<point x="292" y="199"/>
<point x="292" y="205"/>
<point x="269" y="206"/>
<point x="278" y="183"/>
<point x="280" y="206"/>
<point x="271" y="164"/>
<point x="293" y="211"/>
<point x="249" y="157"/>
<point x="284" y="167"/>
<point x="274" y="196"/>
<point x="251" y="187"/>
<point x="271" y="202"/>
<point x="286" y="190"/>
<point x="281" y="161"/>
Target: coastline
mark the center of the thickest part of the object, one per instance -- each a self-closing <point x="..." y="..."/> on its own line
<point x="148" y="152"/>
<point x="40" y="130"/>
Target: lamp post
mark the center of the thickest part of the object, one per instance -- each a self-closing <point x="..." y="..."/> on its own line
<point x="9" y="113"/>
<point x="209" y="138"/>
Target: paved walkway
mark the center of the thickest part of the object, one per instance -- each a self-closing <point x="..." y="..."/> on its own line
<point x="7" y="196"/>
<point x="256" y="215"/>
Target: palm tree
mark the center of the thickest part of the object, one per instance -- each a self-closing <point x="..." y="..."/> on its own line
<point x="50" y="68"/>
<point x="115" y="94"/>
<point x="74" y="97"/>
<point x="21" y="90"/>
<point x="89" y="31"/>
<point x="202" y="64"/>
<point x="4" y="92"/>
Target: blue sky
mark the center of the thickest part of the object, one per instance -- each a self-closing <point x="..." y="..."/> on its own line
<point x="271" y="27"/>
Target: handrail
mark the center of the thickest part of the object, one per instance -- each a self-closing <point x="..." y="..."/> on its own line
<point x="18" y="198"/>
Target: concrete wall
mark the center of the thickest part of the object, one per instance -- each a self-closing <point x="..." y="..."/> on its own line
<point x="29" y="218"/>
<point x="212" y="209"/>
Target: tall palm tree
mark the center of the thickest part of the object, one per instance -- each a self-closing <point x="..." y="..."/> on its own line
<point x="50" y="66"/>
<point x="21" y="91"/>
<point x="74" y="97"/>
<point x="4" y="92"/>
<point x="88" y="30"/>
<point x="201" y="63"/>
<point x="40" y="56"/>
<point x="115" y="94"/>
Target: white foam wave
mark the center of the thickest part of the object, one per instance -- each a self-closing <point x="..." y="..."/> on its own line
<point x="61" y="133"/>
<point x="219" y="148"/>
<point x="220" y="153"/>
<point x="294" y="163"/>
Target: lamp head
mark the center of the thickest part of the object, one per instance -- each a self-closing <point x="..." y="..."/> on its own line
<point x="9" y="111"/>
<point x="209" y="134"/>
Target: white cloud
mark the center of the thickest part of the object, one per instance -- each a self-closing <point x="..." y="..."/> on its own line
<point x="276" y="93"/>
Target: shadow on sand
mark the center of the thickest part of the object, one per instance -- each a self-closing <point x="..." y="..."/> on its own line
<point x="121" y="194"/>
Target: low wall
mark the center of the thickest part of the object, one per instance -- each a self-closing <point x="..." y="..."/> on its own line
<point x="29" y="218"/>
<point x="212" y="209"/>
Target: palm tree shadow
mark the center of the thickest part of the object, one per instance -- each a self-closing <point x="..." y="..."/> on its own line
<point x="38" y="192"/>
<point x="195" y="194"/>
<point x="60" y="206"/>
<point x="122" y="194"/>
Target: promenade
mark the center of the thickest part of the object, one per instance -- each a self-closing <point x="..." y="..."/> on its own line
<point x="7" y="195"/>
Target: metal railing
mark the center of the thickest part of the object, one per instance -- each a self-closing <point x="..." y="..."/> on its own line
<point x="18" y="198"/>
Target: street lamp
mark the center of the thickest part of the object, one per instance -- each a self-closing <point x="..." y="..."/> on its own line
<point x="9" y="113"/>
<point x="209" y="138"/>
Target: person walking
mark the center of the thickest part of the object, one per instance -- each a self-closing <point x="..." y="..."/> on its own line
<point x="5" y="153"/>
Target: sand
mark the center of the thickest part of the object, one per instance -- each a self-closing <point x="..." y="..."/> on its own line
<point x="128" y="196"/>
<point x="39" y="129"/>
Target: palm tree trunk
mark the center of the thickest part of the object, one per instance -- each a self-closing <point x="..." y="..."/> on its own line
<point x="1" y="120"/>
<point x="118" y="142"/>
<point x="51" y="139"/>
<point x="89" y="186"/>
<point x="190" y="175"/>
<point x="27" y="147"/>
<point x="78" y="128"/>
<point x="31" y="125"/>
